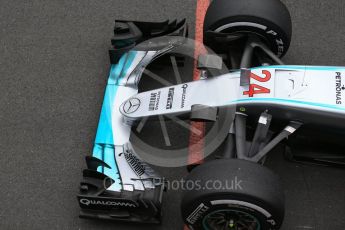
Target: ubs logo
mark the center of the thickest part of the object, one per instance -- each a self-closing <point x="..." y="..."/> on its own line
<point x="131" y="105"/>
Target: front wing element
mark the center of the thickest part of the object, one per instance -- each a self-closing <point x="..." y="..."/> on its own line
<point x="117" y="184"/>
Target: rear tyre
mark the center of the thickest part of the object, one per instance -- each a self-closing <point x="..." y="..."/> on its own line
<point x="232" y="194"/>
<point x="268" y="19"/>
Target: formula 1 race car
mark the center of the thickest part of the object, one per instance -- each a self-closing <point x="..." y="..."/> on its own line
<point x="256" y="104"/>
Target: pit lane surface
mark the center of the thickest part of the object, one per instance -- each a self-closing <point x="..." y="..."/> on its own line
<point x="54" y="66"/>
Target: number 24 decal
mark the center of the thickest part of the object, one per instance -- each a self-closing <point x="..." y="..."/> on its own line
<point x="257" y="89"/>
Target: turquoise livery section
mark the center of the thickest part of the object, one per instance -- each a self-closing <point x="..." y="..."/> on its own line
<point x="117" y="72"/>
<point x="291" y="102"/>
<point x="104" y="132"/>
<point x="104" y="141"/>
<point x="120" y="70"/>
<point x="301" y="67"/>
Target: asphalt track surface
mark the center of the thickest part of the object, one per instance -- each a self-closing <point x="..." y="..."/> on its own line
<point x="53" y="69"/>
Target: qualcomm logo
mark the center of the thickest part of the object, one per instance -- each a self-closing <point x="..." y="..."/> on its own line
<point x="131" y="105"/>
<point x="88" y="202"/>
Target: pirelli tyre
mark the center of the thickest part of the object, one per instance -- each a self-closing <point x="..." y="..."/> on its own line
<point x="231" y="194"/>
<point x="270" y="19"/>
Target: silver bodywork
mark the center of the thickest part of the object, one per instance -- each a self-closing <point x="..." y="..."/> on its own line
<point x="292" y="91"/>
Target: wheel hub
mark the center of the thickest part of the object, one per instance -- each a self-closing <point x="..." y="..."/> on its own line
<point x="229" y="219"/>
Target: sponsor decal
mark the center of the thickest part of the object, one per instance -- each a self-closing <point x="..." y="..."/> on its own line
<point x="154" y="101"/>
<point x="338" y="88"/>
<point x="170" y="99"/>
<point x="280" y="44"/>
<point x="184" y="93"/>
<point x="197" y="213"/>
<point x="131" y="105"/>
<point x="88" y="202"/>
<point x="279" y="41"/>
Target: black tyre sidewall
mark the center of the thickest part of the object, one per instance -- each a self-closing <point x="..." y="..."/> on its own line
<point x="261" y="192"/>
<point x="271" y="14"/>
<point x="274" y="37"/>
<point x="265" y="223"/>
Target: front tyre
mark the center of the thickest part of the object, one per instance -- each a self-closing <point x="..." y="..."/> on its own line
<point x="267" y="19"/>
<point x="231" y="194"/>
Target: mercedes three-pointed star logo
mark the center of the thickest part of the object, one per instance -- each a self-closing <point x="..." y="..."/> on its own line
<point x="131" y="105"/>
